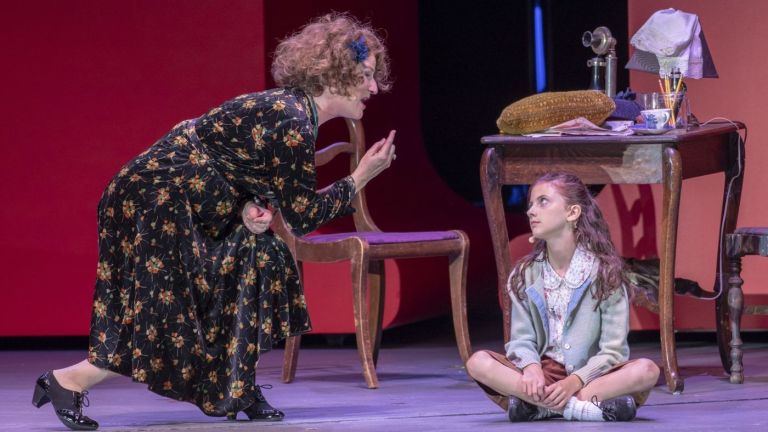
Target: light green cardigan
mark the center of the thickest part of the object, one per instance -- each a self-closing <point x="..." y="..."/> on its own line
<point x="594" y="339"/>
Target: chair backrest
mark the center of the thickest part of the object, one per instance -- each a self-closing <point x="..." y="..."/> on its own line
<point x="355" y="148"/>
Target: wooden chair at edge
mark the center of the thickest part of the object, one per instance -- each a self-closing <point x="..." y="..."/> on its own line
<point x="367" y="248"/>
<point x="745" y="241"/>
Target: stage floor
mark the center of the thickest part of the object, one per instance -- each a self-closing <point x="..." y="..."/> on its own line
<point x="422" y="388"/>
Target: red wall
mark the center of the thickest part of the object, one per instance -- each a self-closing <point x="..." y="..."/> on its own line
<point x="89" y="84"/>
<point x="86" y="86"/>
<point x="736" y="35"/>
<point x="94" y="83"/>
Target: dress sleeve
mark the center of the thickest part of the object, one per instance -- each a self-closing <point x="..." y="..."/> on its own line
<point x="264" y="145"/>
<point x="293" y="160"/>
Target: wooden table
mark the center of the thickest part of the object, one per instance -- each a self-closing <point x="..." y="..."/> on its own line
<point x="665" y="159"/>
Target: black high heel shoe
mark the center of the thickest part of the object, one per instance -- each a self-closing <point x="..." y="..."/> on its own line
<point x="260" y="410"/>
<point x="67" y="404"/>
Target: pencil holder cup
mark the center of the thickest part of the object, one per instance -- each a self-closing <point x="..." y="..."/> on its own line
<point x="676" y="102"/>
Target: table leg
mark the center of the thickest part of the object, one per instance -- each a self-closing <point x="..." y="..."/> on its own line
<point x="671" y="179"/>
<point x="490" y="170"/>
<point x="734" y="176"/>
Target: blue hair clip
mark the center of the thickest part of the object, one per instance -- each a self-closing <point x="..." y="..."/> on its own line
<point x="359" y="49"/>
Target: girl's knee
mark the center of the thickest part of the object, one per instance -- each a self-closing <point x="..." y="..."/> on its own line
<point x="648" y="370"/>
<point x="478" y="363"/>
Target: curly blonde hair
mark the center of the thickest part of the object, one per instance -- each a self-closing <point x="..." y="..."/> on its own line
<point x="320" y="55"/>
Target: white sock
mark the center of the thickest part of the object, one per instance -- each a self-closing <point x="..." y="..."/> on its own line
<point x="582" y="410"/>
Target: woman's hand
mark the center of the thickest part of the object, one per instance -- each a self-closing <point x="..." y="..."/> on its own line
<point x="376" y="159"/>
<point x="533" y="382"/>
<point x="255" y="218"/>
<point x="557" y="394"/>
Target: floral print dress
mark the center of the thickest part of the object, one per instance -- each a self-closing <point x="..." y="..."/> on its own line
<point x="186" y="297"/>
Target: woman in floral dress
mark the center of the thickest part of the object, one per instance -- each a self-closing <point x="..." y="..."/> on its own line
<point x="192" y="287"/>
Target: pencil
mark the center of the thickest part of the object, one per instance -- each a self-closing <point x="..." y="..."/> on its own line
<point x="675" y="101"/>
<point x="668" y="103"/>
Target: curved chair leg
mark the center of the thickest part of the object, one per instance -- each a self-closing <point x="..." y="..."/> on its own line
<point x="376" y="291"/>
<point x="362" y="325"/>
<point x="458" y="264"/>
<point x="735" y="304"/>
<point x="292" y="344"/>
<point x="291" y="358"/>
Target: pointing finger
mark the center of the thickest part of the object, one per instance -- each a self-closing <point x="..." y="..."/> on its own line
<point x="391" y="136"/>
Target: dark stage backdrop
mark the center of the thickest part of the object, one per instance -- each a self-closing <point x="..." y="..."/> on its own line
<point x="476" y="60"/>
<point x="86" y="85"/>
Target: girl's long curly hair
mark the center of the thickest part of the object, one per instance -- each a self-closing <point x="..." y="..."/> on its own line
<point x="591" y="233"/>
<point x="320" y="55"/>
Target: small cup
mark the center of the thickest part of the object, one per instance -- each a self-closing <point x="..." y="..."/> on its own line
<point x="677" y="102"/>
<point x="656" y="118"/>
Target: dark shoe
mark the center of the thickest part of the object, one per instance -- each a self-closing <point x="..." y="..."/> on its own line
<point x="260" y="410"/>
<point x="67" y="404"/>
<point x="520" y="410"/>
<point x="620" y="408"/>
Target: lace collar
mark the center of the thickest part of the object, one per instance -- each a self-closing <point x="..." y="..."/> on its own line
<point x="579" y="270"/>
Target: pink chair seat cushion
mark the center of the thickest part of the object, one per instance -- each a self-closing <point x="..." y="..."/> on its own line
<point x="374" y="237"/>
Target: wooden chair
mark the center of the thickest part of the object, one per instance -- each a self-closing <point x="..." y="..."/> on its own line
<point x="743" y="241"/>
<point x="367" y="248"/>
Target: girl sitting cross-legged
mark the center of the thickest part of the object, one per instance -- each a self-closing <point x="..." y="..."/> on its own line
<point x="568" y="352"/>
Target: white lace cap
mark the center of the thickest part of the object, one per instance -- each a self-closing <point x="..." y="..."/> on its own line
<point x="672" y="39"/>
